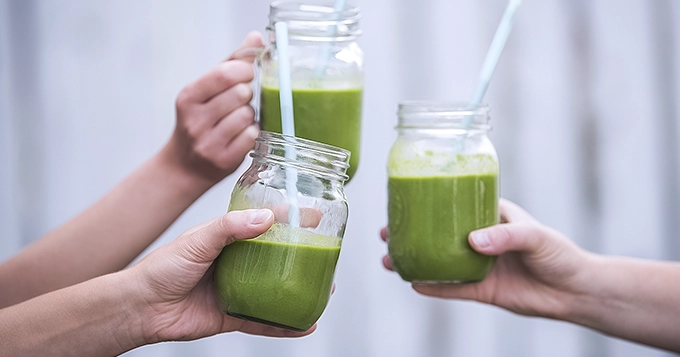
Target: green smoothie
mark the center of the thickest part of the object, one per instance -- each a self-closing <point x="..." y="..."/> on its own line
<point x="273" y="281"/>
<point x="330" y="116"/>
<point x="430" y="218"/>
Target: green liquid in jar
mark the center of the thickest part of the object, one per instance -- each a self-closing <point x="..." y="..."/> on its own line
<point x="430" y="218"/>
<point x="330" y="116"/>
<point x="274" y="281"/>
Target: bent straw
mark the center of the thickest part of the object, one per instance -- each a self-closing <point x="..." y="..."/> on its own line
<point x="493" y="55"/>
<point x="287" y="123"/>
<point x="325" y="54"/>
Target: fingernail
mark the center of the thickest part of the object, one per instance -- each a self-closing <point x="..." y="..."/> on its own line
<point x="260" y="216"/>
<point x="480" y="239"/>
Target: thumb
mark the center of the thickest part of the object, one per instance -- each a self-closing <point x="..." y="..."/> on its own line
<point x="204" y="244"/>
<point x="501" y="238"/>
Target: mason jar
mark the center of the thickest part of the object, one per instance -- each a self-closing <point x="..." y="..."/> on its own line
<point x="442" y="184"/>
<point x="284" y="276"/>
<point x="327" y="75"/>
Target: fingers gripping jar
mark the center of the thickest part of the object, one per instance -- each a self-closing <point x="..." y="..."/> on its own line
<point x="442" y="184"/>
<point x="327" y="75"/>
<point x="284" y="277"/>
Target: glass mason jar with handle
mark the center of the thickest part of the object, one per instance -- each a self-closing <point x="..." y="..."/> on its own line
<point x="284" y="276"/>
<point x="327" y="75"/>
<point x="442" y="184"/>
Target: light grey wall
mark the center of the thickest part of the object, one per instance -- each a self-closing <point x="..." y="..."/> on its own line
<point x="584" y="106"/>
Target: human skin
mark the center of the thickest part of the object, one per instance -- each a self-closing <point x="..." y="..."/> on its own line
<point x="540" y="272"/>
<point x="215" y="129"/>
<point x="167" y="296"/>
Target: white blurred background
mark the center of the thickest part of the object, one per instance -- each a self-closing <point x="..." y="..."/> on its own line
<point x="585" y="106"/>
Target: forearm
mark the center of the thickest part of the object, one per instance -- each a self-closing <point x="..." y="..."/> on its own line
<point x="632" y="299"/>
<point x="95" y="318"/>
<point x="105" y="237"/>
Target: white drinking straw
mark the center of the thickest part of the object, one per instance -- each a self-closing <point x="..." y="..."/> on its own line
<point x="326" y="51"/>
<point x="287" y="123"/>
<point x="493" y="55"/>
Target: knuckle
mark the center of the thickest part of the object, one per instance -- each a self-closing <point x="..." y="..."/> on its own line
<point x="525" y="236"/>
<point x="193" y="131"/>
<point x="203" y="149"/>
<point x="233" y="223"/>
<point x="225" y="221"/>
<point x="243" y="142"/>
<point x="249" y="72"/>
<point x="224" y="76"/>
<point x="252" y="132"/>
<point x="244" y="93"/>
<point x="243" y="116"/>
<point x="231" y="72"/>
<point x="249" y="113"/>
<point x="183" y="100"/>
<point x="245" y="69"/>
<point x="502" y="233"/>
<point x="197" y="248"/>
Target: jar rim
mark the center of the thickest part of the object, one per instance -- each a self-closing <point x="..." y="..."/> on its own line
<point x="442" y="106"/>
<point x="315" y="20"/>
<point x="337" y="157"/>
<point x="444" y="114"/>
<point x="299" y="11"/>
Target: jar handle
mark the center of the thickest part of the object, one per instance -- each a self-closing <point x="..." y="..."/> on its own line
<point x="254" y="55"/>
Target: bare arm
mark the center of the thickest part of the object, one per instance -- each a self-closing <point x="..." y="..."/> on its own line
<point x="540" y="272"/>
<point x="144" y="304"/>
<point x="89" y="319"/>
<point x="215" y="130"/>
<point x="633" y="299"/>
<point x="105" y="237"/>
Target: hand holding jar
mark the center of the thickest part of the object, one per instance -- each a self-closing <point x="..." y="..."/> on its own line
<point x="284" y="277"/>
<point x="442" y="184"/>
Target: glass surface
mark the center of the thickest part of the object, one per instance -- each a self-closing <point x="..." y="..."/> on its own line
<point x="326" y="75"/>
<point x="284" y="276"/>
<point x="442" y="184"/>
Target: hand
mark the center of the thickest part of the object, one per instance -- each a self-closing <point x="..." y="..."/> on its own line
<point x="539" y="271"/>
<point x="215" y="124"/>
<point x="175" y="282"/>
<point x="309" y="217"/>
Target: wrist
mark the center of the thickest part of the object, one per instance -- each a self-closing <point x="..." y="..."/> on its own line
<point x="590" y="301"/>
<point x="126" y="292"/>
<point x="148" y="308"/>
<point x="183" y="177"/>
